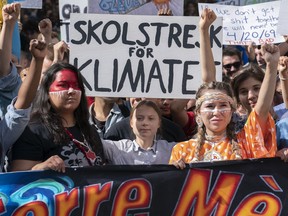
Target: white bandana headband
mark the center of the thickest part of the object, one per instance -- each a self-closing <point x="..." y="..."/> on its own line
<point x="64" y="93"/>
<point x="213" y="97"/>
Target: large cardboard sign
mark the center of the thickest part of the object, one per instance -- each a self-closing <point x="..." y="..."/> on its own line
<point x="66" y="7"/>
<point x="140" y="56"/>
<point x="135" y="7"/>
<point x="235" y="188"/>
<point x="283" y="18"/>
<point x="244" y="24"/>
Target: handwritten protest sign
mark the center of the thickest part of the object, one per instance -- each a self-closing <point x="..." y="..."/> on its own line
<point x="36" y="4"/>
<point x="135" y="7"/>
<point x="243" y="24"/>
<point x="66" y="7"/>
<point x="140" y="56"/>
<point x="283" y="18"/>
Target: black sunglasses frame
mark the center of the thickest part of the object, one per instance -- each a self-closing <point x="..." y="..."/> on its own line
<point x="235" y="64"/>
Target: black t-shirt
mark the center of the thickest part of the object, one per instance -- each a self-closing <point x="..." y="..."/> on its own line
<point x="169" y="131"/>
<point x="36" y="144"/>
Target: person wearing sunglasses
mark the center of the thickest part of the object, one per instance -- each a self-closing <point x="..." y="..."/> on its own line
<point x="231" y="62"/>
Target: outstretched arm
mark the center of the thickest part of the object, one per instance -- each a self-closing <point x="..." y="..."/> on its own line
<point x="283" y="75"/>
<point x="10" y="13"/>
<point x="29" y="87"/>
<point x="208" y="69"/>
<point x="271" y="55"/>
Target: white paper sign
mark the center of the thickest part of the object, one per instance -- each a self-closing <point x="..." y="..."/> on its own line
<point x="35" y="4"/>
<point x="282" y="27"/>
<point x="229" y="2"/>
<point x="140" y="56"/>
<point x="243" y="24"/>
<point x="66" y="7"/>
<point x="135" y="7"/>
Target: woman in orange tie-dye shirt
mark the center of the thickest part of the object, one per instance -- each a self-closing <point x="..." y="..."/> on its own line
<point x="216" y="139"/>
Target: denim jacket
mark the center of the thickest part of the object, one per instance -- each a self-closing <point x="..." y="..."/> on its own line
<point x="14" y="121"/>
<point x="9" y="87"/>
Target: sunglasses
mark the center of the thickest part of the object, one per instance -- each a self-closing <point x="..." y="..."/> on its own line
<point x="235" y="65"/>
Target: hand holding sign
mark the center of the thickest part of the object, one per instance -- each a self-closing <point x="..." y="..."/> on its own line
<point x="161" y="4"/>
<point x="165" y="12"/>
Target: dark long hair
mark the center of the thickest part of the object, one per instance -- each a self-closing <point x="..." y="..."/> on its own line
<point x="43" y="111"/>
<point x="253" y="71"/>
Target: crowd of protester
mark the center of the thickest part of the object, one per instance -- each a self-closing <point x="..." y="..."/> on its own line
<point x="243" y="116"/>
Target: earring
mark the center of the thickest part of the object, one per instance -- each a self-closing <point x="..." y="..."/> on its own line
<point x="199" y="122"/>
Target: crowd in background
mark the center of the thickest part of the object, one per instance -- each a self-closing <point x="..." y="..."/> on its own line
<point x="31" y="17"/>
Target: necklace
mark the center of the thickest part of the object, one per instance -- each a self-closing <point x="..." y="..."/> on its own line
<point x="215" y="138"/>
<point x="84" y="148"/>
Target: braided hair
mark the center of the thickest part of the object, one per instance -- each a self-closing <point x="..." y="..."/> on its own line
<point x="200" y="136"/>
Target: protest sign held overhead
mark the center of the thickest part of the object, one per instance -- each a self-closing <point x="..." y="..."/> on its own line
<point x="283" y="18"/>
<point x="140" y="56"/>
<point x="243" y="24"/>
<point x="135" y="7"/>
<point x="229" y="2"/>
<point x="66" y="7"/>
<point x="36" y="4"/>
<point x="249" y="2"/>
